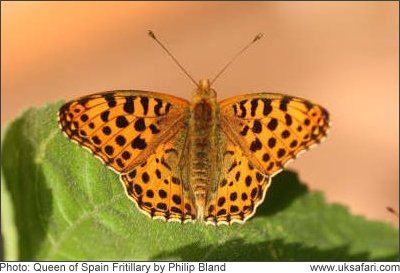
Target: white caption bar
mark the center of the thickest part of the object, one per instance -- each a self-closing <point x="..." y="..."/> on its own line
<point x="197" y="267"/>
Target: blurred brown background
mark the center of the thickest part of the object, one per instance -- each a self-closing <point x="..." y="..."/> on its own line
<point x="343" y="55"/>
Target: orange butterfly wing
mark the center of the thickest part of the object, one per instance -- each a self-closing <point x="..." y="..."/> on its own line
<point x="261" y="132"/>
<point x="123" y="128"/>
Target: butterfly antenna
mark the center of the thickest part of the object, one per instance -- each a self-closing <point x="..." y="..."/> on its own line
<point x="152" y="35"/>
<point x="258" y="37"/>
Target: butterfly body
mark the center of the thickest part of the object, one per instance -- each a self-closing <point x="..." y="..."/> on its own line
<point x="200" y="160"/>
<point x="203" y="145"/>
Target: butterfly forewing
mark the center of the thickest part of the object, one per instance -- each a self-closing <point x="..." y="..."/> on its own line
<point x="123" y="128"/>
<point x="271" y="129"/>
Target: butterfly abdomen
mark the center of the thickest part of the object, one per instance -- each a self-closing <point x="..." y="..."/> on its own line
<point x="203" y="128"/>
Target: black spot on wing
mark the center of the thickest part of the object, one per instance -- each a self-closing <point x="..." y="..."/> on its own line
<point x="138" y="189"/>
<point x="158" y="106"/>
<point x="234" y="109"/>
<point x="234" y="164"/>
<point x="248" y="180"/>
<point x="176" y="198"/>
<point x="284" y="102"/>
<point x="110" y="100"/>
<point x="234" y="209"/>
<point x="154" y="129"/>
<point x="221" y="212"/>
<point x="145" y="104"/>
<point x="158" y="173"/>
<point x="176" y="180"/>
<point x="281" y="152"/>
<point x="167" y="108"/>
<point x="140" y="125"/>
<point x="120" y="140"/>
<point x="104" y="115"/>
<point x="96" y="140"/>
<point x="145" y="177"/>
<point x="121" y="122"/>
<point x="162" y="194"/>
<point x="109" y="150"/>
<point x="84" y="117"/>
<point x="293" y="144"/>
<point x="221" y="201"/>
<point x="272" y="124"/>
<point x="288" y="119"/>
<point x="271" y="142"/>
<point x="120" y="163"/>
<point x="129" y="105"/>
<point x="176" y="210"/>
<point x="139" y="143"/>
<point x="254" y="104"/>
<point x="165" y="164"/>
<point x="285" y="134"/>
<point x="161" y="206"/>
<point x="126" y="155"/>
<point x="257" y="127"/>
<point x="242" y="108"/>
<point x="267" y="107"/>
<point x="150" y="193"/>
<point x="132" y="174"/>
<point x="237" y="176"/>
<point x="244" y="130"/>
<point x="106" y="130"/>
<point x="256" y="145"/>
<point x="223" y="182"/>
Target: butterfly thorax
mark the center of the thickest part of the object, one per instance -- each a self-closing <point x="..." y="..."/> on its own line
<point x="203" y="128"/>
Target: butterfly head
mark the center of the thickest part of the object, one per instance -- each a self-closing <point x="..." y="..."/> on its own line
<point x="204" y="84"/>
<point x="204" y="90"/>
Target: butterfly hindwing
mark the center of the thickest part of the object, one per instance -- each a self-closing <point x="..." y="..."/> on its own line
<point x="241" y="187"/>
<point x="123" y="128"/>
<point x="158" y="186"/>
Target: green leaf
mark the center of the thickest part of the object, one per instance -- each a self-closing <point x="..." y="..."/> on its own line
<point x="63" y="204"/>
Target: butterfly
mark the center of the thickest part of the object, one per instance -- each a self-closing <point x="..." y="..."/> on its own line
<point x="201" y="160"/>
